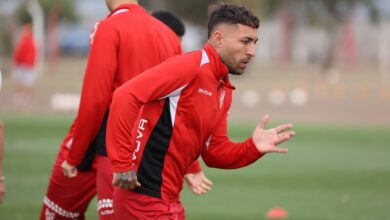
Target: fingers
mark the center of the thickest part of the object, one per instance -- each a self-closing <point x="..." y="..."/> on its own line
<point x="70" y="172"/>
<point x="208" y="182"/>
<point x="282" y="128"/>
<point x="206" y="186"/>
<point x="279" y="150"/>
<point x="129" y="185"/>
<point x="264" y="121"/>
<point x="284" y="137"/>
<point x="198" y="183"/>
<point x="196" y="190"/>
<point x="126" y="180"/>
<point x="201" y="189"/>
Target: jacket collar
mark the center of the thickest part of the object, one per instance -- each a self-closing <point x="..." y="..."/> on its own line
<point x="132" y="7"/>
<point x="219" y="69"/>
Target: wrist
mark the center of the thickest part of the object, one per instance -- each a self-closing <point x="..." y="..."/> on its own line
<point x="2" y="179"/>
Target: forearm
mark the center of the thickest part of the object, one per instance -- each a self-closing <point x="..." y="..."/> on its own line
<point x="89" y="122"/>
<point x="230" y="155"/>
<point x="124" y="111"/>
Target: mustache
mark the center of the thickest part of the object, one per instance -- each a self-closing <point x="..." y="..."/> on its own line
<point x="246" y="60"/>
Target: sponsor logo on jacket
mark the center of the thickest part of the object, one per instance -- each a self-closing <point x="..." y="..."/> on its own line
<point x="140" y="130"/>
<point x="205" y="92"/>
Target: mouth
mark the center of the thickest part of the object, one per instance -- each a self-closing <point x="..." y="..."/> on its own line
<point x="244" y="64"/>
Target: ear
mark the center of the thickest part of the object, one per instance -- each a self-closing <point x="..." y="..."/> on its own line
<point x="217" y="38"/>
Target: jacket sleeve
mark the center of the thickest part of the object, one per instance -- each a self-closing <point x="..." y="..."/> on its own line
<point x="222" y="153"/>
<point x="96" y="91"/>
<point x="149" y="86"/>
<point x="194" y="167"/>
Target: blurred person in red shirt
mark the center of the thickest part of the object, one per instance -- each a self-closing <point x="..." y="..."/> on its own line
<point x="24" y="62"/>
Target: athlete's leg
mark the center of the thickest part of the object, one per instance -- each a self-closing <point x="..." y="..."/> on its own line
<point x="105" y="189"/>
<point x="68" y="198"/>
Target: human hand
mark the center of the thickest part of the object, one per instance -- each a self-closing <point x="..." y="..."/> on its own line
<point x="126" y="180"/>
<point x="266" y="140"/>
<point x="69" y="170"/>
<point x="198" y="183"/>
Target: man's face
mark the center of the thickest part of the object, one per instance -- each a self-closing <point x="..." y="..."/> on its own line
<point x="237" y="46"/>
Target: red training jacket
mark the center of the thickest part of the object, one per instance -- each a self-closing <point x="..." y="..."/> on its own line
<point x="163" y="119"/>
<point x="126" y="43"/>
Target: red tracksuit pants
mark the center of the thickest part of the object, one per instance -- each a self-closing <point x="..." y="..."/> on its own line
<point x="129" y="205"/>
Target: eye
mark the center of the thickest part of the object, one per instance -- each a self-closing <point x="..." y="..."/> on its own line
<point x="245" y="41"/>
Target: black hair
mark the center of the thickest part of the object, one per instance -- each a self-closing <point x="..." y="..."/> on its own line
<point x="231" y="14"/>
<point x="172" y="21"/>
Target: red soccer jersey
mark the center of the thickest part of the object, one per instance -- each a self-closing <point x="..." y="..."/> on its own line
<point x="163" y="119"/>
<point x="25" y="53"/>
<point x="124" y="44"/>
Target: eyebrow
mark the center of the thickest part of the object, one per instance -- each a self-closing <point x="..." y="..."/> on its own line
<point x="252" y="39"/>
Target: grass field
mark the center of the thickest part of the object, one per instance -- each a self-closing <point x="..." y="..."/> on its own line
<point x="331" y="172"/>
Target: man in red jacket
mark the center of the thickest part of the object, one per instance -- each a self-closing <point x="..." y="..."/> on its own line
<point x="126" y="43"/>
<point x="163" y="119"/>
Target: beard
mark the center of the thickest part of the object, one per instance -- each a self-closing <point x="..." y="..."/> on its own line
<point x="236" y="70"/>
<point x="232" y="65"/>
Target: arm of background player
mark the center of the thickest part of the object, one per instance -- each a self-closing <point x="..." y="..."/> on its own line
<point x="148" y="86"/>
<point x="96" y="91"/>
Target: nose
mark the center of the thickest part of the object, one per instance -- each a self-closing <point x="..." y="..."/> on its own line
<point x="251" y="50"/>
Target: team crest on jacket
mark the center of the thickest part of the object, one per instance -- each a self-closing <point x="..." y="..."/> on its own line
<point x="221" y="98"/>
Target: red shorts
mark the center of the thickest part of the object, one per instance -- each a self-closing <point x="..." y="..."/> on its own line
<point x="104" y="188"/>
<point x="68" y="198"/>
<point x="132" y="205"/>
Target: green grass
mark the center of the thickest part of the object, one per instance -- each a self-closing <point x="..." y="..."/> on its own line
<point x="331" y="172"/>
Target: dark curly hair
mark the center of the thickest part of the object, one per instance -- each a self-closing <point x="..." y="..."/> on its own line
<point x="231" y="14"/>
<point x="172" y="21"/>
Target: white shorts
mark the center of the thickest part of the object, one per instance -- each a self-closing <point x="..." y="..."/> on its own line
<point x="24" y="75"/>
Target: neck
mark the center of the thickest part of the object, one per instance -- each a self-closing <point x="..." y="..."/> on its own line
<point x="116" y="3"/>
<point x="215" y="47"/>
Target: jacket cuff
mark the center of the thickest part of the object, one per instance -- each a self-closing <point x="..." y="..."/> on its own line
<point x="194" y="167"/>
<point x="252" y="148"/>
<point x="72" y="162"/>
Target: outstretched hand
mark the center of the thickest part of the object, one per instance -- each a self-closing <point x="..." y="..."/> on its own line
<point x="198" y="183"/>
<point x="266" y="140"/>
